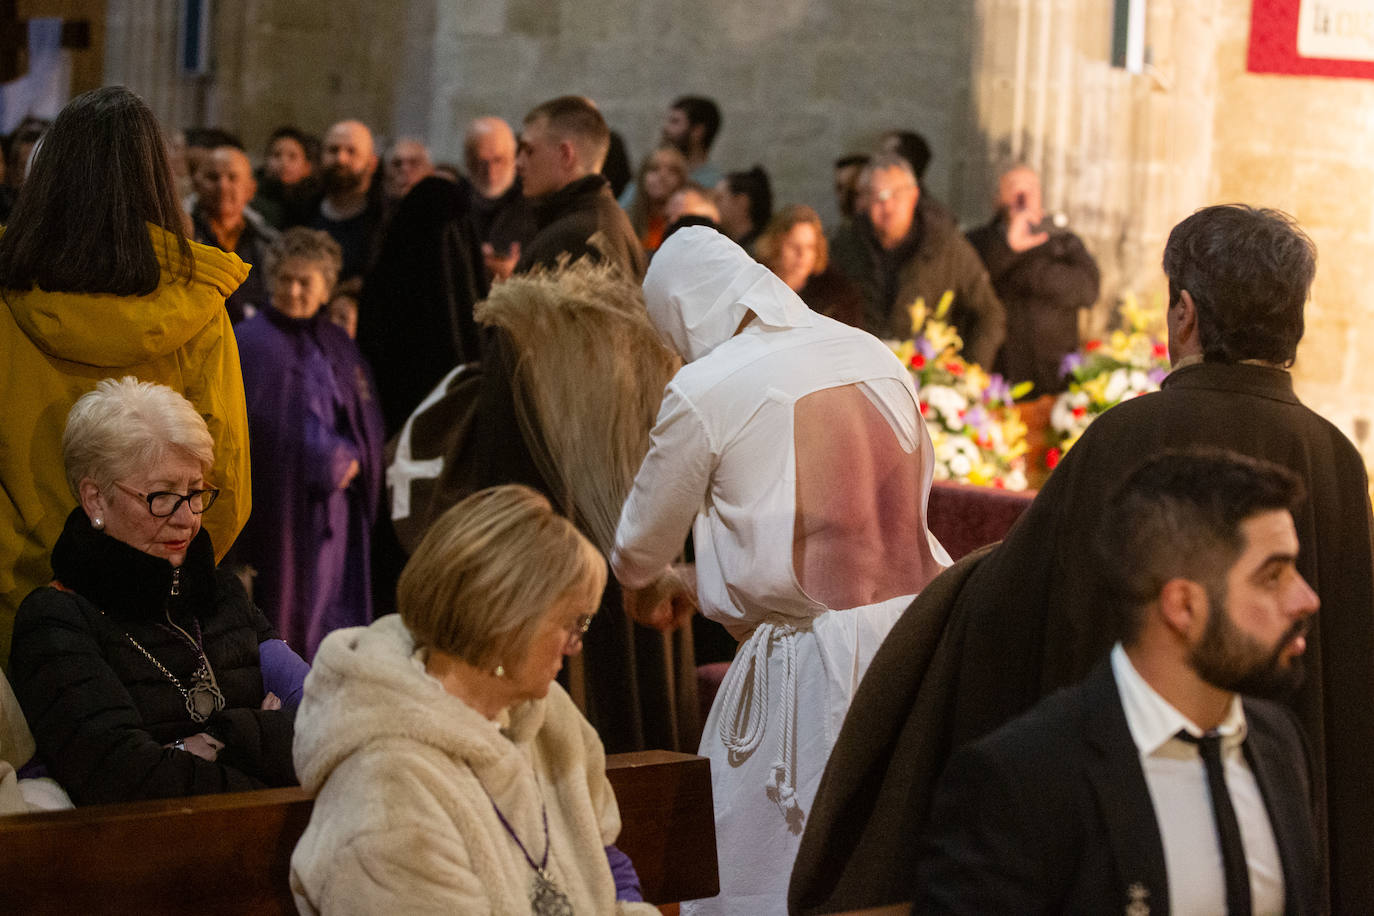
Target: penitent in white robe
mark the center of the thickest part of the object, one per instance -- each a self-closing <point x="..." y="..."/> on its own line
<point x="723" y="459"/>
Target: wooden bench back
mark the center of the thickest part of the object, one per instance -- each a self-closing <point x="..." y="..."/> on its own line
<point x="231" y="853"/>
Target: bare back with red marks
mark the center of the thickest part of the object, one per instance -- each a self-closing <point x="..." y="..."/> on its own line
<point x="859" y="534"/>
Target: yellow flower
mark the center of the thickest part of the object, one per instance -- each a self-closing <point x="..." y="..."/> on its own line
<point x="982" y="474"/>
<point x="975" y="378"/>
<point x="1096" y="388"/>
<point x="917" y="311"/>
<point x="946" y="300"/>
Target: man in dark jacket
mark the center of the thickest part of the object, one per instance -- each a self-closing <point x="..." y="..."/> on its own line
<point x="1044" y="277"/>
<point x="221" y="217"/>
<point x="498" y="211"/>
<point x="562" y="146"/>
<point x="899" y="248"/>
<point x="1028" y="622"/>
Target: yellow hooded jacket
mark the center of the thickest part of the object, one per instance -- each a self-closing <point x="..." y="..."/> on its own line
<point x="55" y="347"/>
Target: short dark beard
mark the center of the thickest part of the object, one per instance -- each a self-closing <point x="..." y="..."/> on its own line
<point x="338" y="180"/>
<point x="1229" y="659"/>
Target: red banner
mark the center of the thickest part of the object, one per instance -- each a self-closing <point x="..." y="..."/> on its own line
<point x="1312" y="38"/>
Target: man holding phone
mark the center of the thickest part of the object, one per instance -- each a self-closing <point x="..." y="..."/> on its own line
<point x="1042" y="274"/>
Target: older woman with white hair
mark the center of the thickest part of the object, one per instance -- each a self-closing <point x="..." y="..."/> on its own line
<point x="140" y="668"/>
<point x="452" y="774"/>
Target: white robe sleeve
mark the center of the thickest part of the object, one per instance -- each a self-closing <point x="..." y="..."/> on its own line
<point x="668" y="491"/>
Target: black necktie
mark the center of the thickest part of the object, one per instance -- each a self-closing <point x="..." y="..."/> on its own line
<point x="1228" y="829"/>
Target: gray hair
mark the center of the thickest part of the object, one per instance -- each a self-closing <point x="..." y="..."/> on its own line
<point x="313" y="245"/>
<point x="885" y="162"/>
<point x="124" y="425"/>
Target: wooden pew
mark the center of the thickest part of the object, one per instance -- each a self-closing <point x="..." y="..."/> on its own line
<point x="231" y="853"/>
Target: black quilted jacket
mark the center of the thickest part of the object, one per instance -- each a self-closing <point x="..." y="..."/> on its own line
<point x="101" y="711"/>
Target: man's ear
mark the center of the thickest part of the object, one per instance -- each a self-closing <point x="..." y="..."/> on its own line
<point x="567" y="155"/>
<point x="1183" y="323"/>
<point x="1183" y="606"/>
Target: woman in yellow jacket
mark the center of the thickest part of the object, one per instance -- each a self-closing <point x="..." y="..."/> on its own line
<point x="98" y="279"/>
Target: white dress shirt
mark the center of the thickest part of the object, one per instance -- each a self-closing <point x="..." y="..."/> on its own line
<point x="1177" y="780"/>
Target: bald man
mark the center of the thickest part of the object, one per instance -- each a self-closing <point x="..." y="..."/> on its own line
<point x="351" y="209"/>
<point x="221" y="217"/>
<point x="501" y="218"/>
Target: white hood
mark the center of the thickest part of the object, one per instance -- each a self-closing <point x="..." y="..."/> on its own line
<point x="700" y="285"/>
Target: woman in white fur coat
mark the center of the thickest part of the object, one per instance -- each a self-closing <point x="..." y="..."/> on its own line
<point x="452" y="774"/>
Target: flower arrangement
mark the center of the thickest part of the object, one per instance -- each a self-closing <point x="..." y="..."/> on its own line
<point x="1131" y="361"/>
<point x="977" y="432"/>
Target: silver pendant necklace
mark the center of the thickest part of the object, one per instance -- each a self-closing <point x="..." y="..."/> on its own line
<point x="545" y="897"/>
<point x="203" y="697"/>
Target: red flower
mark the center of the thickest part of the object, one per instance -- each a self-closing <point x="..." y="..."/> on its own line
<point x="1161" y="350"/>
<point x="1078" y="412"/>
<point x="1052" y="458"/>
<point x="1092" y="345"/>
<point x="925" y="409"/>
<point x="918" y="361"/>
<point x="998" y="483"/>
<point x="954" y="368"/>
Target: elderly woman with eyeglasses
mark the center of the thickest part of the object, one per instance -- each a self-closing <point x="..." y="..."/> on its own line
<point x="141" y="668"/>
<point x="452" y="774"/>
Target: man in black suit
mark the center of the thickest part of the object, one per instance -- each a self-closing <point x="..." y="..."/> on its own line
<point x="1150" y="787"/>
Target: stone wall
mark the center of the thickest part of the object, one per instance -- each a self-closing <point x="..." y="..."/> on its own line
<point x="800" y="82"/>
<point x="1306" y="145"/>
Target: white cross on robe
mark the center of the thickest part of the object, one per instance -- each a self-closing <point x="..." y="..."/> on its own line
<point x="405" y="469"/>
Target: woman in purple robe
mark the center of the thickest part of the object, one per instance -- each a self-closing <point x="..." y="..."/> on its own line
<point x="316" y="438"/>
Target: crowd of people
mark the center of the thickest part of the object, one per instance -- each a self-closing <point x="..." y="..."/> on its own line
<point x="320" y="470"/>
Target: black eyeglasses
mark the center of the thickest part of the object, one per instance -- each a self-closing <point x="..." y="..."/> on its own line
<point x="164" y="503"/>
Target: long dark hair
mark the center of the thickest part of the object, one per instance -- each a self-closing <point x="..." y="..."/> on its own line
<point x="100" y="174"/>
<point x="755" y="184"/>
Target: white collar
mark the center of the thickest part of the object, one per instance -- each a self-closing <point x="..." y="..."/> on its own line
<point x="1153" y="720"/>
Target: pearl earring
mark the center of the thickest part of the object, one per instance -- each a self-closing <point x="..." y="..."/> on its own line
<point x="98" y="523"/>
<point x="500" y="671"/>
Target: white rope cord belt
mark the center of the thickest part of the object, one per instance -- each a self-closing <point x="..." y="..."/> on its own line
<point x="744" y="717"/>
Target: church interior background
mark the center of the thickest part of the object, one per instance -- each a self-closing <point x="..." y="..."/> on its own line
<point x="1125" y="152"/>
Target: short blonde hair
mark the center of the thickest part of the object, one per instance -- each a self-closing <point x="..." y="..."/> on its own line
<point x="488" y="570"/>
<point x="125" y="424"/>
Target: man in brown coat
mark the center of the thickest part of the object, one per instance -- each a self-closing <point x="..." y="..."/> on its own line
<point x="900" y="247"/>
